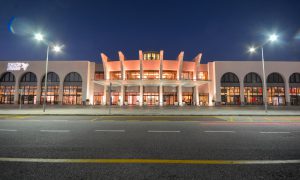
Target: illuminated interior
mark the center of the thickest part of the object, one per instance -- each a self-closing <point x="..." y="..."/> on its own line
<point x="7" y="88"/>
<point x="151" y="74"/>
<point x="132" y="75"/>
<point x="169" y="75"/>
<point x="28" y="89"/>
<point x="72" y="93"/>
<point x="115" y="75"/>
<point x="151" y="56"/>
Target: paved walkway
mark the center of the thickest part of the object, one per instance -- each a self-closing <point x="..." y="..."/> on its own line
<point x="135" y="110"/>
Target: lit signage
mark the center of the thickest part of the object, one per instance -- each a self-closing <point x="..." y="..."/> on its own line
<point x="17" y="66"/>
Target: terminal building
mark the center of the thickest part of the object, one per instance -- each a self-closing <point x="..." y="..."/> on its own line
<point x="150" y="80"/>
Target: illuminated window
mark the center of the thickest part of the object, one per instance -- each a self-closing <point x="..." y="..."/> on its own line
<point x="7" y="88"/>
<point x="99" y="76"/>
<point x="276" y="90"/>
<point x="187" y="75"/>
<point x="230" y="89"/>
<point x="202" y="75"/>
<point x="151" y="56"/>
<point x="171" y="75"/>
<point x="115" y="75"/>
<point x="52" y="89"/>
<point x="151" y="75"/>
<point x="72" y="89"/>
<point x="98" y="98"/>
<point x="253" y="91"/>
<point x="132" y="75"/>
<point x="28" y="86"/>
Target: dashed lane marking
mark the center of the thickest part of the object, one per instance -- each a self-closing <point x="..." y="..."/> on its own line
<point x="147" y="161"/>
<point x="9" y="130"/>
<point x="154" y="131"/>
<point x="274" y="132"/>
<point x="219" y="131"/>
<point x="55" y="131"/>
<point x="110" y="130"/>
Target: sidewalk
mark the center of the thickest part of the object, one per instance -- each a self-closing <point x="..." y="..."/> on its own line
<point x="150" y="111"/>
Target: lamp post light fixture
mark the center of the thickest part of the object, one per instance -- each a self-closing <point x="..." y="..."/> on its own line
<point x="56" y="48"/>
<point x="272" y="38"/>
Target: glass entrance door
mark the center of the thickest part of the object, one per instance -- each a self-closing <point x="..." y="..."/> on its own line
<point x="151" y="98"/>
<point x="203" y="99"/>
<point x="187" y="98"/>
<point x="170" y="98"/>
<point x="131" y="98"/>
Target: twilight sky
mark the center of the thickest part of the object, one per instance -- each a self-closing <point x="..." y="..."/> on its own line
<point x="221" y="30"/>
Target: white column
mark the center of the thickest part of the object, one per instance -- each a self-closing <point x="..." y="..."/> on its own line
<point x="196" y="95"/>
<point x="141" y="95"/>
<point x="61" y="92"/>
<point x="16" y="95"/>
<point x="122" y="95"/>
<point x="161" y="95"/>
<point x="104" y="95"/>
<point x="180" y="95"/>
<point x="287" y="94"/>
<point x="242" y="93"/>
<point x="39" y="92"/>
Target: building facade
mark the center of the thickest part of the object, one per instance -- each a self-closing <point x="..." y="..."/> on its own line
<point x="150" y="80"/>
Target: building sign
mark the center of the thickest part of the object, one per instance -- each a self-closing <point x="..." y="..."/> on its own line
<point x="18" y="66"/>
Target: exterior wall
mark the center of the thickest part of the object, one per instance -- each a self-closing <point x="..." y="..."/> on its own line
<point x="212" y="86"/>
<point x="86" y="70"/>
<point x="131" y="65"/>
<point x="188" y="66"/>
<point x="151" y="65"/>
<point x="242" y="68"/>
<point x="170" y="65"/>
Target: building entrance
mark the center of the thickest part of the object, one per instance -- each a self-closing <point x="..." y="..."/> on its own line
<point x="151" y="95"/>
<point x="132" y="95"/>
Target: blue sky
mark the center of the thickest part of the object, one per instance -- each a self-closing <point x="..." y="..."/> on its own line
<point x="221" y="30"/>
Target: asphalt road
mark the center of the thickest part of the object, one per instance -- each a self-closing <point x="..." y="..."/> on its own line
<point x="189" y="147"/>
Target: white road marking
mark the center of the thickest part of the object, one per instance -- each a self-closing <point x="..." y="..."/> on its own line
<point x="153" y="131"/>
<point x="8" y="130"/>
<point x="274" y="132"/>
<point x="219" y="131"/>
<point x="110" y="130"/>
<point x="56" y="131"/>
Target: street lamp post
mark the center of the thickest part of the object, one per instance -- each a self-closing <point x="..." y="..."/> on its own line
<point x="46" y="80"/>
<point x="272" y="38"/>
<point x="264" y="79"/>
<point x="56" y="48"/>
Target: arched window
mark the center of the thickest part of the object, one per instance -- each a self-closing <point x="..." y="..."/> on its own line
<point x="7" y="77"/>
<point x="276" y="89"/>
<point x="7" y="88"/>
<point x="275" y="78"/>
<point x="28" y="88"/>
<point x="294" y="83"/>
<point x="294" y="78"/>
<point x="29" y="77"/>
<point x="230" y="89"/>
<point x="229" y="78"/>
<point x="51" y="77"/>
<point x="73" y="77"/>
<point x="252" y="78"/>
<point x="72" y="89"/>
<point x="52" y="96"/>
<point x="253" y="91"/>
